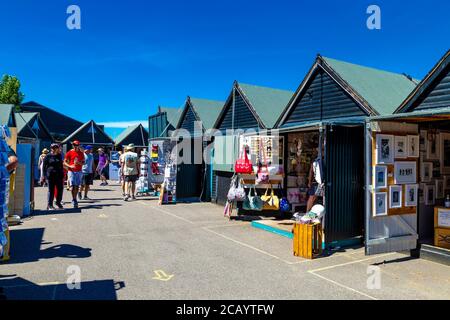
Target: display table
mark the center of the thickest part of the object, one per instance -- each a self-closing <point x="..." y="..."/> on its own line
<point x="442" y="227"/>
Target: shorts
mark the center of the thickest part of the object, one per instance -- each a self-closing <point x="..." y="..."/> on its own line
<point x="130" y="178"/>
<point x="88" y="179"/>
<point x="316" y="190"/>
<point x="75" y="178"/>
<point x="104" y="172"/>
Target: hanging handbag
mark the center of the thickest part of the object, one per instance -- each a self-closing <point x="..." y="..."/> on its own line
<point x="243" y="165"/>
<point x="284" y="205"/>
<point x="231" y="196"/>
<point x="271" y="202"/>
<point x="239" y="192"/>
<point x="263" y="171"/>
<point x="253" y="202"/>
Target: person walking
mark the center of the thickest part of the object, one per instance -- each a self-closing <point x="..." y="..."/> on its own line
<point x="88" y="173"/>
<point x="130" y="171"/>
<point x="54" y="172"/>
<point x="74" y="161"/>
<point x="102" y="166"/>
<point x="44" y="153"/>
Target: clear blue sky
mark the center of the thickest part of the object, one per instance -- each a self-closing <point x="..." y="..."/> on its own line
<point x="134" y="55"/>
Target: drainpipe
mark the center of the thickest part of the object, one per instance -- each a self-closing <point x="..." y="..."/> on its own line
<point x="368" y="182"/>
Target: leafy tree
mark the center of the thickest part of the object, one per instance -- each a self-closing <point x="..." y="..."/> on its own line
<point x="10" y="91"/>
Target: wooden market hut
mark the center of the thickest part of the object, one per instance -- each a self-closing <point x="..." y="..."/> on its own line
<point x="136" y="135"/>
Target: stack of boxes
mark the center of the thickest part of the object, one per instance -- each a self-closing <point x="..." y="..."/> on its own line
<point x="4" y="195"/>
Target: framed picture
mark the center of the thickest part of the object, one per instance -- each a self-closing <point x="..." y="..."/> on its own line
<point x="380" y="177"/>
<point x="421" y="193"/>
<point x="433" y="147"/>
<point x="411" y="195"/>
<point x="395" y="197"/>
<point x="446" y="182"/>
<point x="423" y="141"/>
<point x="426" y="171"/>
<point x="430" y="195"/>
<point x="380" y="204"/>
<point x="405" y="172"/>
<point x="385" y="149"/>
<point x="445" y="153"/>
<point x="401" y="147"/>
<point x="413" y="146"/>
<point x="440" y="189"/>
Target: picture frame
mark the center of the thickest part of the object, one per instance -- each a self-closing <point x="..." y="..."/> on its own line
<point x="426" y="171"/>
<point x="445" y="153"/>
<point x="405" y="172"/>
<point x="380" y="177"/>
<point x="380" y="207"/>
<point x="395" y="197"/>
<point x="440" y="190"/>
<point x="413" y="145"/>
<point x="430" y="195"/>
<point x="411" y="195"/>
<point x="384" y="149"/>
<point x="401" y="147"/>
<point x="433" y="144"/>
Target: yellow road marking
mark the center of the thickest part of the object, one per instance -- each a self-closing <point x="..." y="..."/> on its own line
<point x="162" y="276"/>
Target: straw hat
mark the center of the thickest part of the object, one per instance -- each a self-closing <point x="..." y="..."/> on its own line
<point x="129" y="147"/>
<point x="45" y="151"/>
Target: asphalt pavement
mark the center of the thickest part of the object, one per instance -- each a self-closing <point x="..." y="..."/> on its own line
<point x="110" y="249"/>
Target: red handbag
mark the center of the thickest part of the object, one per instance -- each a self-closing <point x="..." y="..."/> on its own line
<point x="243" y="165"/>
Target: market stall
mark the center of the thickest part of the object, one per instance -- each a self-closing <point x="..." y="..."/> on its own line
<point x="408" y="174"/>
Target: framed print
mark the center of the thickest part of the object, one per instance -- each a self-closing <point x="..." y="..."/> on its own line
<point x="385" y="149"/>
<point x="440" y="189"/>
<point x="423" y="141"/>
<point x="380" y="177"/>
<point x="395" y="197"/>
<point x="401" y="147"/>
<point x="426" y="171"/>
<point x="430" y="194"/>
<point x="433" y="146"/>
<point x="413" y="146"/>
<point x="380" y="204"/>
<point x="446" y="182"/>
<point x="445" y="153"/>
<point x="421" y="193"/>
<point x="405" y="172"/>
<point x="411" y="195"/>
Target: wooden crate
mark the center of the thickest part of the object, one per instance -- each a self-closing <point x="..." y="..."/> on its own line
<point x="442" y="238"/>
<point x="307" y="240"/>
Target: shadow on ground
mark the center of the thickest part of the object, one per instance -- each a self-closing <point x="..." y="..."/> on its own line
<point x="16" y="288"/>
<point x="26" y="247"/>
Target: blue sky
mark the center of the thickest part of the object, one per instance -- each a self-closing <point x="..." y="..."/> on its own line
<point x="131" y="56"/>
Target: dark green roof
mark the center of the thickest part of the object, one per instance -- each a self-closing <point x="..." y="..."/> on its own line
<point x="25" y="122"/>
<point x="267" y="102"/>
<point x="22" y="119"/>
<point x="207" y="110"/>
<point x="85" y="136"/>
<point x="173" y="114"/>
<point x="5" y="113"/>
<point x="383" y="90"/>
<point x="133" y="135"/>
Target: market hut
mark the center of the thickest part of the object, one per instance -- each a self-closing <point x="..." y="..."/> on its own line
<point x="323" y="124"/>
<point x="197" y="117"/>
<point x="90" y="134"/>
<point x="408" y="172"/>
<point x="59" y="125"/>
<point x="164" y="122"/>
<point x="248" y="110"/>
<point x="136" y="135"/>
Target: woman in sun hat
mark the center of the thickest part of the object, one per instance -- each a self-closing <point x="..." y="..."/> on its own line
<point x="44" y="153"/>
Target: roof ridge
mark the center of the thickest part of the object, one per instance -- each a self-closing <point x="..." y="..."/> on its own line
<point x="263" y="87"/>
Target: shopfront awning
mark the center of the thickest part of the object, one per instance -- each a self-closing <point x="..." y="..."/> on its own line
<point x="316" y="125"/>
<point x="437" y="114"/>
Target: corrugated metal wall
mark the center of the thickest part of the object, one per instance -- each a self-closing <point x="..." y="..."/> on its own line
<point x="189" y="178"/>
<point x="156" y="125"/>
<point x="189" y="121"/>
<point x="243" y="117"/>
<point x="222" y="186"/>
<point x="344" y="173"/>
<point x="323" y="99"/>
<point x="439" y="94"/>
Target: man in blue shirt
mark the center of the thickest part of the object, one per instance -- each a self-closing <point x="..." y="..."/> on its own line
<point x="88" y="173"/>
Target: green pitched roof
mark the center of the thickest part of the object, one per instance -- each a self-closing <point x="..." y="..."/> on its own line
<point x="267" y="102"/>
<point x="24" y="118"/>
<point x="383" y="90"/>
<point x="207" y="110"/>
<point x="173" y="114"/>
<point x="125" y="133"/>
<point x="5" y="113"/>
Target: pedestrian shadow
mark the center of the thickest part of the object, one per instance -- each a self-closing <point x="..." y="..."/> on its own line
<point x="99" y="206"/>
<point x="26" y="247"/>
<point x="55" y="212"/>
<point x="17" y="288"/>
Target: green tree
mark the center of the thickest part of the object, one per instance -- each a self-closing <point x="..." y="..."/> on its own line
<point x="10" y="91"/>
